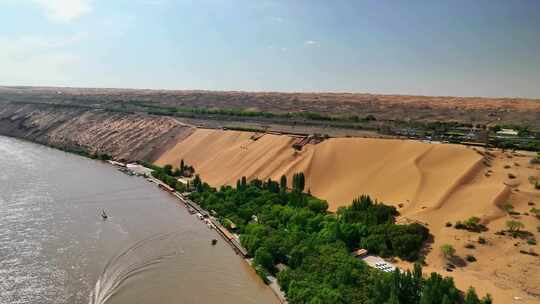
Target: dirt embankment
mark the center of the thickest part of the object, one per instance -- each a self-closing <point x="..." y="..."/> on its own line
<point x="123" y="136"/>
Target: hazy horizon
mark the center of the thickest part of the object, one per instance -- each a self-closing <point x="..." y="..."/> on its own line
<point x="256" y="92"/>
<point x="431" y="48"/>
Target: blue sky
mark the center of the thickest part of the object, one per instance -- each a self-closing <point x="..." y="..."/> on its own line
<point x="458" y="47"/>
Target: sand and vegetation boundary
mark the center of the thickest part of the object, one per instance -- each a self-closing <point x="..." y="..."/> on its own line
<point x="291" y="236"/>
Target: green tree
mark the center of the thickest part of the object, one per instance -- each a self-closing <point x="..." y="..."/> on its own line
<point x="264" y="258"/>
<point x="471" y="297"/>
<point x="448" y="251"/>
<point x="182" y="166"/>
<point x="238" y="184"/>
<point x="168" y="169"/>
<point x="197" y="183"/>
<point x="299" y="182"/>
<point x="472" y="221"/>
<point x="436" y="289"/>
<point x="244" y="182"/>
<point x="283" y="183"/>
<point x="514" y="226"/>
<point x="294" y="228"/>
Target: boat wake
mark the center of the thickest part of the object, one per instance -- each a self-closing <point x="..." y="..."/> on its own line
<point x="135" y="260"/>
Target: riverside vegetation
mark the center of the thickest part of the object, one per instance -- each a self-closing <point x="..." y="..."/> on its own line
<point x="291" y="235"/>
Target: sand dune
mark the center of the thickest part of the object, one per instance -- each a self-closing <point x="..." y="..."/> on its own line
<point x="429" y="183"/>
<point x="415" y="174"/>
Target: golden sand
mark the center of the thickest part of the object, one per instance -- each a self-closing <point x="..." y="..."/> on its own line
<point x="429" y="183"/>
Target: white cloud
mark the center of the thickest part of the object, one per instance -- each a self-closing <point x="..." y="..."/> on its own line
<point x="65" y="10"/>
<point x="311" y="42"/>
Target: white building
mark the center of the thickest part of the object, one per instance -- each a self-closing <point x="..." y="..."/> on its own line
<point x="138" y="169"/>
<point x="508" y="132"/>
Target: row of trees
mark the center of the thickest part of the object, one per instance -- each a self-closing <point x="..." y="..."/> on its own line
<point x="170" y="177"/>
<point x="293" y="229"/>
<point x="299" y="182"/>
<point x="183" y="170"/>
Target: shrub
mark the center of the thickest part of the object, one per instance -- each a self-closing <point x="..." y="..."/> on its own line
<point x="459" y="225"/>
<point x="470" y="246"/>
<point x="448" y="224"/>
<point x="514" y="226"/>
<point x="471" y="224"/>
<point x="448" y="251"/>
<point x="511" y="176"/>
<point x="470" y="258"/>
<point x="531" y="242"/>
<point x="536" y="212"/>
<point x="482" y="240"/>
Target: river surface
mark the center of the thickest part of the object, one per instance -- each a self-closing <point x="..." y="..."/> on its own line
<point x="55" y="248"/>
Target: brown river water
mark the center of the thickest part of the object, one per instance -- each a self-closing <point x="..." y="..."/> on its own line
<point x="55" y="248"/>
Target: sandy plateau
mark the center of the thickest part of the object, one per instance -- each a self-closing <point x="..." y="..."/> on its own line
<point x="430" y="183"/>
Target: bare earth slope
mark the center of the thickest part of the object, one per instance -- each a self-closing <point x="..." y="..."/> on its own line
<point x="429" y="183"/>
<point x="123" y="136"/>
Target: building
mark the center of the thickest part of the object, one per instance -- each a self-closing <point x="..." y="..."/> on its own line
<point x="360" y="253"/>
<point x="507" y="132"/>
<point x="139" y="170"/>
<point x="280" y="267"/>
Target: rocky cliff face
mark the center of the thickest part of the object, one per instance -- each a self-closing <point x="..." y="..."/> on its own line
<point x="121" y="135"/>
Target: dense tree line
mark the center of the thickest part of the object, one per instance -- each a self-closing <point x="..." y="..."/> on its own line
<point x="170" y="176"/>
<point x="291" y="228"/>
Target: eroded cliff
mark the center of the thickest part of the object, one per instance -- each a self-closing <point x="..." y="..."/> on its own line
<point x="121" y="135"/>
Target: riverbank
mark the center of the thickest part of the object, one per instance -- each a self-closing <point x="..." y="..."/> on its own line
<point x="55" y="245"/>
<point x="429" y="183"/>
<point x="212" y="223"/>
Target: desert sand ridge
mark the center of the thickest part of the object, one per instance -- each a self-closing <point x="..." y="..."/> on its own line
<point x="338" y="169"/>
<point x="429" y="183"/>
